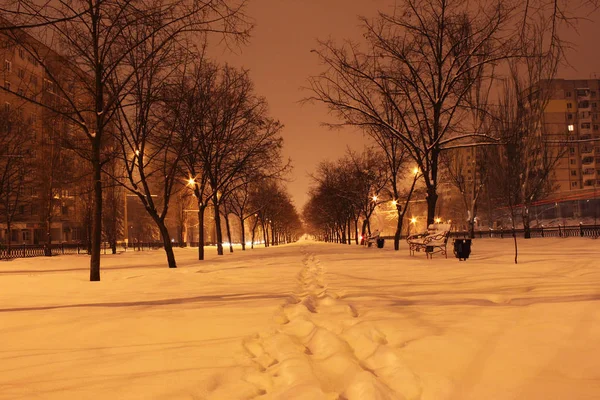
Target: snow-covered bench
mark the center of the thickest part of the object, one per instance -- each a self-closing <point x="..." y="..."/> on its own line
<point x="432" y="241"/>
<point x="373" y="238"/>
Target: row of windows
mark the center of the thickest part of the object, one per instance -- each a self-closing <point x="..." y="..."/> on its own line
<point x="581" y="93"/>
<point x="583" y="114"/>
<point x="583" y="104"/>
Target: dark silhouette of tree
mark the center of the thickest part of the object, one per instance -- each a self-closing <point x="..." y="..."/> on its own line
<point x="95" y="43"/>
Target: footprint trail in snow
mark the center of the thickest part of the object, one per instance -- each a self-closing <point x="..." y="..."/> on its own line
<point x="320" y="349"/>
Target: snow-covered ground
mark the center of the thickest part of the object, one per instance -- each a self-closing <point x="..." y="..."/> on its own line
<point x="306" y="321"/>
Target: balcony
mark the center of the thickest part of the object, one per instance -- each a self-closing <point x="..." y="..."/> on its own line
<point x="587" y="160"/>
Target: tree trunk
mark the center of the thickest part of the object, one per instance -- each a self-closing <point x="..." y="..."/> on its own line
<point x="97" y="212"/>
<point x="243" y="232"/>
<point x="48" y="244"/>
<point x="526" y="222"/>
<point x="254" y="232"/>
<point x="472" y="228"/>
<point x="432" y="198"/>
<point x="9" y="235"/>
<point x="164" y="233"/>
<point x="273" y="235"/>
<point x="398" y="233"/>
<point x="356" y="230"/>
<point x="200" y="231"/>
<point x="363" y="232"/>
<point x="265" y="234"/>
<point x="349" y="224"/>
<point x="218" y="225"/>
<point x="228" y="227"/>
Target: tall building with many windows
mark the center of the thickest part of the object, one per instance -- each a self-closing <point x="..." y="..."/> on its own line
<point x="41" y="185"/>
<point x="574" y="110"/>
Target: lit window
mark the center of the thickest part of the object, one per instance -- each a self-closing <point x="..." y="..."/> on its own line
<point x="571" y="127"/>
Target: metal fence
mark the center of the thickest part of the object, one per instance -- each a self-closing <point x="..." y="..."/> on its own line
<point x="589" y="231"/>
<point x="40" y="250"/>
<point x="37" y="250"/>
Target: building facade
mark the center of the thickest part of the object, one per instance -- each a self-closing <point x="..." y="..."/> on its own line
<point x="42" y="184"/>
<point x="574" y="109"/>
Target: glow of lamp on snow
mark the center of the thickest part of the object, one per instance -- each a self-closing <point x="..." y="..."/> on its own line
<point x="374" y="198"/>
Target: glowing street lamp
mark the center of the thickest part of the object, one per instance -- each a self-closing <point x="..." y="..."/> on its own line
<point x="415" y="171"/>
<point x="413" y="220"/>
<point x="438" y="220"/>
<point x="374" y="198"/>
<point x="191" y="181"/>
<point x="394" y="203"/>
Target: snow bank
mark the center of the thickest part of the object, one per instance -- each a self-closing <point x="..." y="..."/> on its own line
<point x="306" y="321"/>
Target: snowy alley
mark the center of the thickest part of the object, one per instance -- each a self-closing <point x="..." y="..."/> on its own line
<point x="306" y="321"/>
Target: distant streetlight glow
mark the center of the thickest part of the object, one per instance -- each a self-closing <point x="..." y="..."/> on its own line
<point x="413" y="220"/>
<point x="394" y="203"/>
<point x="191" y="181"/>
<point x="438" y="220"/>
<point x="374" y="198"/>
<point x="415" y="170"/>
<point x="137" y="152"/>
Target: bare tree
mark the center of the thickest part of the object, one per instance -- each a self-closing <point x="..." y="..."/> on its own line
<point x="528" y="154"/>
<point x="95" y="43"/>
<point x="149" y="146"/>
<point x="239" y="134"/>
<point x="14" y="167"/>
<point x="412" y="81"/>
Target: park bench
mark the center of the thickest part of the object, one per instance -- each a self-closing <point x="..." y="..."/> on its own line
<point x="431" y="242"/>
<point x="373" y="238"/>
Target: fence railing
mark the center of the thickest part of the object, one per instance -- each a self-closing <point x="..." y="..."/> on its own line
<point x="55" y="249"/>
<point x="590" y="231"/>
<point x="37" y="250"/>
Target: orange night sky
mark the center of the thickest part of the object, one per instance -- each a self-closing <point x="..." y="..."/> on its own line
<point x="280" y="61"/>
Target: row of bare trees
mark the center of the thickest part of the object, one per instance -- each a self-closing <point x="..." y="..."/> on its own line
<point x="439" y="76"/>
<point x="346" y="192"/>
<point x="147" y="108"/>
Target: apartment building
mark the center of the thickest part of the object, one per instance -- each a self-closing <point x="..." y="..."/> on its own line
<point x="574" y="109"/>
<point x="44" y="196"/>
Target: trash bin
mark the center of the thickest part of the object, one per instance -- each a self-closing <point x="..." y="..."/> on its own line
<point x="462" y="248"/>
<point x="380" y="243"/>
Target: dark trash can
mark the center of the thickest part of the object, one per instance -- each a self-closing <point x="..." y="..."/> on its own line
<point x="462" y="248"/>
<point x="380" y="243"/>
